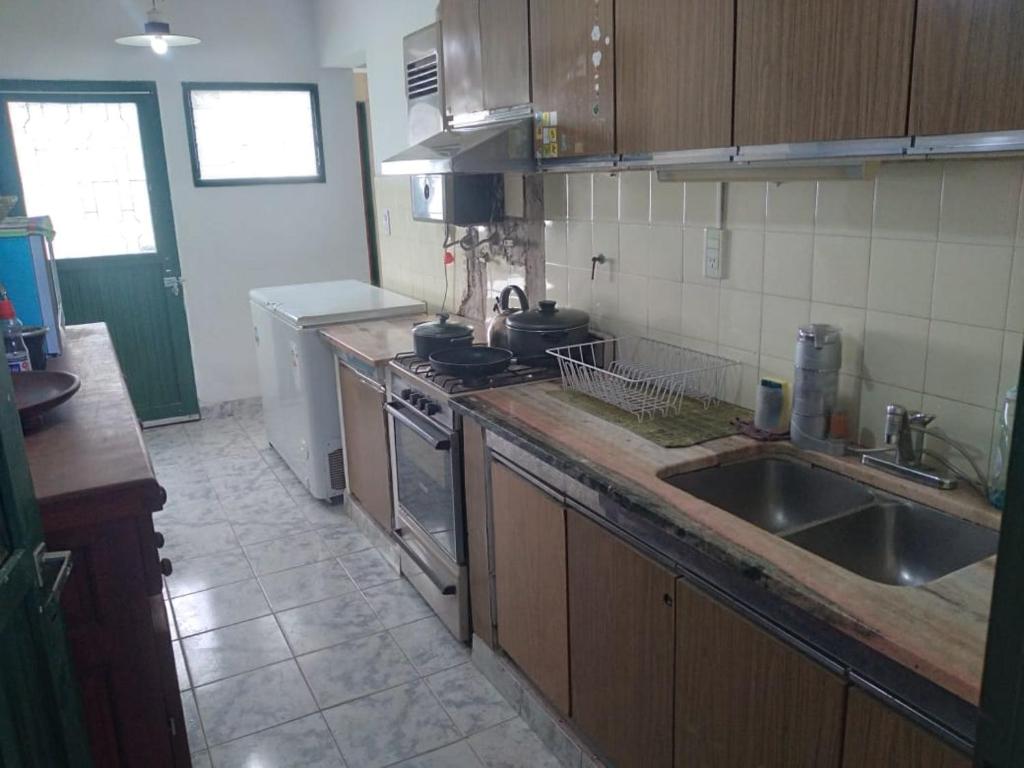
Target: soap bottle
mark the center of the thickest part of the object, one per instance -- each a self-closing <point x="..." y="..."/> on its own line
<point x="14" y="342"/>
<point x="1001" y="457"/>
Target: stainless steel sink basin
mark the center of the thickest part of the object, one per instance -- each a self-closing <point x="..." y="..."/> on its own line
<point x="775" y="494"/>
<point x="899" y="543"/>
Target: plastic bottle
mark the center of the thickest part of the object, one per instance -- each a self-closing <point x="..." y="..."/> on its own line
<point x="1001" y="457"/>
<point x="14" y="343"/>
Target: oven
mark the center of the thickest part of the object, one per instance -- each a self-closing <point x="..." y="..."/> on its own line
<point x="430" y="527"/>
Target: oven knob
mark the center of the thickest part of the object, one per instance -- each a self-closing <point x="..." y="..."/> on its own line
<point x="415" y="398"/>
<point x="423" y="403"/>
<point x="432" y="408"/>
<point x="405" y="393"/>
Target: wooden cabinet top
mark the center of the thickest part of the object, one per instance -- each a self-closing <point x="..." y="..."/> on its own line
<point x="90" y="450"/>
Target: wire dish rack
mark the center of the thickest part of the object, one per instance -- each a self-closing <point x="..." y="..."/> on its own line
<point x="641" y="376"/>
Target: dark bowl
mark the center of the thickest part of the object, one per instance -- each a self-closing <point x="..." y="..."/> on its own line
<point x="36" y="392"/>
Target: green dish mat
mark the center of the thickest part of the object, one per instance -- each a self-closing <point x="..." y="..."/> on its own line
<point x="694" y="423"/>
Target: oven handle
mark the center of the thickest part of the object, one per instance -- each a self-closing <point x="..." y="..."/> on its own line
<point x="446" y="589"/>
<point x="439" y="444"/>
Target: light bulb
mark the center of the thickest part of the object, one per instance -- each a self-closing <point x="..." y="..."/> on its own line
<point x="158" y="44"/>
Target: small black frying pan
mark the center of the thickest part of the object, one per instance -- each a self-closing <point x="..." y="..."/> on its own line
<point x="471" y="362"/>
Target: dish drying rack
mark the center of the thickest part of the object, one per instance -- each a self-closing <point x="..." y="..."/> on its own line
<point x="642" y="376"/>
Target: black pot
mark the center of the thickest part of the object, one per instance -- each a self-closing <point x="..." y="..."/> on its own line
<point x="433" y="336"/>
<point x="471" y="363"/>
<point x="532" y="333"/>
<point x="35" y="342"/>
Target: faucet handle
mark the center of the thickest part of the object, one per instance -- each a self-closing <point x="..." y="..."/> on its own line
<point x="920" y="418"/>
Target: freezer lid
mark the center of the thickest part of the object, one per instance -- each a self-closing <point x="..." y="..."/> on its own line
<point x="340" y="301"/>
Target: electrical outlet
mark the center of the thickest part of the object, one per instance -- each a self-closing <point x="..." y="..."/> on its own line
<point x="386" y="221"/>
<point x="713" y="253"/>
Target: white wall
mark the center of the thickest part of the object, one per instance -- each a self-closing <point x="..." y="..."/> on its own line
<point x="235" y="238"/>
<point x="354" y="33"/>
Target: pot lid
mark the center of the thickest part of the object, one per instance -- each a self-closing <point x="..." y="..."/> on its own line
<point x="548" y="317"/>
<point x="442" y="329"/>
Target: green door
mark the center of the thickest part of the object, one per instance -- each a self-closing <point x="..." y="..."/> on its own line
<point x="90" y="155"/>
<point x="40" y="716"/>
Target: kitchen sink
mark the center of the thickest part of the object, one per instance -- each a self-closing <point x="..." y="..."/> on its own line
<point x="872" y="533"/>
<point x="899" y="543"/>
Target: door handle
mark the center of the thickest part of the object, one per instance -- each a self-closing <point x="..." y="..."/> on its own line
<point x="439" y="444"/>
<point x="416" y="557"/>
<point x="174" y="283"/>
<point x="61" y="561"/>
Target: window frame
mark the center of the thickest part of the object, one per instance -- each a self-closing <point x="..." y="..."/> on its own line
<point x="314" y="96"/>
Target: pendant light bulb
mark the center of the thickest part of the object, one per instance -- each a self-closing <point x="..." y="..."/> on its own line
<point x="158" y="44"/>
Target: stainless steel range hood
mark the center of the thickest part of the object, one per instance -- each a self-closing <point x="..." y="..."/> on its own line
<point x="498" y="147"/>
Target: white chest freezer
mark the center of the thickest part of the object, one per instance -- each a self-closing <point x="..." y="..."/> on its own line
<point x="296" y="369"/>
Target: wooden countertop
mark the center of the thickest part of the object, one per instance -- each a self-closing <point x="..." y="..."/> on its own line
<point x="90" y="449"/>
<point x="938" y="629"/>
<point x="377" y="341"/>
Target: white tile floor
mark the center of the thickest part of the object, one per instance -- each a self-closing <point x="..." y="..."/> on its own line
<point x="296" y="642"/>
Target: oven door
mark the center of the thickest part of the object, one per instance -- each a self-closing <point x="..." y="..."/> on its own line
<point x="427" y="479"/>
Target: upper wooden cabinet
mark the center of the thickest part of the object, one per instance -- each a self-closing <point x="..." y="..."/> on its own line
<point x="486" y="54"/>
<point x="877" y="737"/>
<point x="572" y="53"/>
<point x="822" y="70"/>
<point x="674" y="74"/>
<point x="744" y="698"/>
<point x="622" y="638"/>
<point x="968" y="67"/>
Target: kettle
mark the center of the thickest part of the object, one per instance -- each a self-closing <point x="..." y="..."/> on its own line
<point x="497" y="334"/>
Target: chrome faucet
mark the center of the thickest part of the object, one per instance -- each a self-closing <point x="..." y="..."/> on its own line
<point x="906" y="430"/>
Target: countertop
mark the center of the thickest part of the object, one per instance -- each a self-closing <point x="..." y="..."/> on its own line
<point x="936" y="630"/>
<point x="377" y="341"/>
<point x="90" y="448"/>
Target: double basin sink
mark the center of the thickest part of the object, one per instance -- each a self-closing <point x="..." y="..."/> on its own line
<point x="876" y="535"/>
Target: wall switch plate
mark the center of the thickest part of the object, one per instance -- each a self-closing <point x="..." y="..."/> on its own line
<point x="386" y="221"/>
<point x="713" y="253"/>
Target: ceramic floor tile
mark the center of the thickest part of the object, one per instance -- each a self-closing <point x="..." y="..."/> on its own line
<point x="235" y="649"/>
<point x="271" y="556"/>
<point x="208" y="571"/>
<point x="193" y="727"/>
<point x="306" y="584"/>
<point x="356" y="668"/>
<point x="179" y="667"/>
<point x="321" y="514"/>
<point x="368" y="568"/>
<point x="184" y="541"/>
<point x="303" y="743"/>
<point x="470" y="700"/>
<point x="346" y="539"/>
<point x="276" y="507"/>
<point x="219" y="607"/>
<point x="430" y="646"/>
<point x="512" y="745"/>
<point x="253" y="702"/>
<point x="457" y="755"/>
<point x="328" y="622"/>
<point x="189" y="512"/>
<point x="250" y="463"/>
<point x="390" y="726"/>
<point x="171" y="625"/>
<point x="245" y="485"/>
<point x="254" y="532"/>
<point x="397" y="602"/>
<point x="201" y="760"/>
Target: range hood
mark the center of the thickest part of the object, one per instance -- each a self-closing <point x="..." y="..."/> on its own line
<point x="497" y="147"/>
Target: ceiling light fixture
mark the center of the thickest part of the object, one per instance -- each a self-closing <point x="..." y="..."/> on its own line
<point x="157" y="34"/>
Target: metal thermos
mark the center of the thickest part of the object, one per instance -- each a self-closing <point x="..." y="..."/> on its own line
<point x="819" y="355"/>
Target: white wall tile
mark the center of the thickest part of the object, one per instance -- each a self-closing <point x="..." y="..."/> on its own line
<point x="744" y="260"/>
<point x="556" y="243"/>
<point x="1015" y="308"/>
<point x="745" y="204"/>
<point x="848" y="401"/>
<point x="606" y="241"/>
<point x="579" y="244"/>
<point x="556" y="281"/>
<point x="787" y="264"/>
<point x="895" y="349"/>
<point x="667" y="201"/>
<point x="702" y="204"/>
<point x="980" y="201"/>
<point x="606" y="197"/>
<point x="633" y="300"/>
<point x="580" y="289"/>
<point x="635" y="249"/>
<point x="780" y="319"/>
<point x="1009" y="370"/>
<point x="791" y="206"/>
<point x="635" y="196"/>
<point x="666" y="252"/>
<point x="969" y="425"/>
<point x="739" y="319"/>
<point x="604" y="293"/>
<point x="907" y="199"/>
<point x="963" y="363"/>
<point x="840" y="274"/>
<point x="556" y="196"/>
<point x="666" y="305"/>
<point x="740" y="380"/>
<point x="972" y="284"/>
<point x="700" y="312"/>
<point x="901" y="276"/>
<point x="874" y="397"/>
<point x="844" y="208"/>
<point x="851" y="322"/>
<point x="580" y="188"/>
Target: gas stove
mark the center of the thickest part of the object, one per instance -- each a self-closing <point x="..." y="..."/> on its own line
<point x="516" y="373"/>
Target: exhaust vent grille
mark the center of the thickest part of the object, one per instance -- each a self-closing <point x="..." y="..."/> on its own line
<point x="421" y="76"/>
<point x="336" y="467"/>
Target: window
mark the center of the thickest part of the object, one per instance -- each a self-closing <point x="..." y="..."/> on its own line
<point x="249" y="133"/>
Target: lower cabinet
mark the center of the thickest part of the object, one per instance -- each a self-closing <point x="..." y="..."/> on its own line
<point x="877" y="737"/>
<point x="366" y="440"/>
<point x="530" y="582"/>
<point x="744" y="698"/>
<point x="474" y="478"/>
<point x="621" y="630"/>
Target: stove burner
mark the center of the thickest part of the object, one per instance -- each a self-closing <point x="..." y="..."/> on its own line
<point x="516" y="373"/>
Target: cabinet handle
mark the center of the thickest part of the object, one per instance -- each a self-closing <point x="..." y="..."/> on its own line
<point x="667" y="599"/>
<point x="159" y="539"/>
<point x="165" y="567"/>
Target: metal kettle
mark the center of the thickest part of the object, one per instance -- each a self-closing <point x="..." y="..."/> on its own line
<point x="497" y="333"/>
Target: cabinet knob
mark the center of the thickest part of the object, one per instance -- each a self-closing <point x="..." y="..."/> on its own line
<point x="165" y="567"/>
<point x="159" y="539"/>
<point x="667" y="599"/>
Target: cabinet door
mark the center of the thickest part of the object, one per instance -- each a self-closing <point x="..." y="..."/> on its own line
<point x="822" y="70"/>
<point x="572" y="53"/>
<point x="744" y="698"/>
<point x="505" y="52"/>
<point x="366" y="444"/>
<point x="530" y="582"/>
<point x="877" y="737"/>
<point x="673" y="61"/>
<point x="475" y="469"/>
<point x="621" y="647"/>
<point x="463" y="73"/>
<point x="968" y="67"/>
